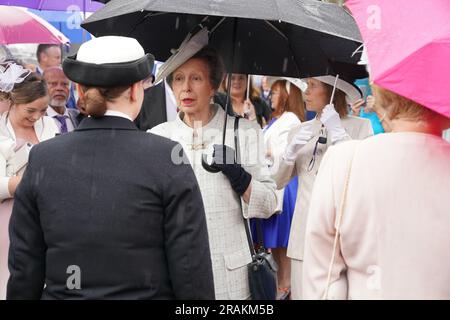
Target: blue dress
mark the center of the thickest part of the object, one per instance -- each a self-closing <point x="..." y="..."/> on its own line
<point x="276" y="229"/>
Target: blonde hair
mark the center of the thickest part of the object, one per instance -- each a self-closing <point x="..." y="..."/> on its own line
<point x="32" y="88"/>
<point x="4" y="96"/>
<point x="394" y="106"/>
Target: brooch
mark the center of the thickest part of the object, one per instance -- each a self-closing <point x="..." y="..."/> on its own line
<point x="199" y="146"/>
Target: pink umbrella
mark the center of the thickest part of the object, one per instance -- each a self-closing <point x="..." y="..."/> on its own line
<point x="17" y="25"/>
<point x="408" y="46"/>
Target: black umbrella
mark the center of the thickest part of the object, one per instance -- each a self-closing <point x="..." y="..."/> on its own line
<point x="295" y="38"/>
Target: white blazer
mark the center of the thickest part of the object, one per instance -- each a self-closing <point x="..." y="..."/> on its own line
<point x="230" y="252"/>
<point x="45" y="129"/>
<point x="276" y="140"/>
<point x="276" y="136"/>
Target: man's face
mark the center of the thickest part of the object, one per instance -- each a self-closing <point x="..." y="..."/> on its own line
<point x="51" y="58"/>
<point x="58" y="87"/>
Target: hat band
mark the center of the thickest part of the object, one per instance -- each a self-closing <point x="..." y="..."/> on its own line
<point x="108" y="74"/>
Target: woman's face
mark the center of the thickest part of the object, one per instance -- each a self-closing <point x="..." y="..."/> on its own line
<point x="276" y="98"/>
<point x="27" y="114"/>
<point x="315" y="95"/>
<point x="191" y="86"/>
<point x="238" y="85"/>
<point x="265" y="84"/>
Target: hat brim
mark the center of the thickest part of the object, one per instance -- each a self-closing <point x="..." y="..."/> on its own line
<point x="352" y="92"/>
<point x="299" y="83"/>
<point x="108" y="74"/>
<point x="189" y="47"/>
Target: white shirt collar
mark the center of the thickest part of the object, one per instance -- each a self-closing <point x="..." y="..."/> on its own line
<point x="51" y="112"/>
<point x="113" y="113"/>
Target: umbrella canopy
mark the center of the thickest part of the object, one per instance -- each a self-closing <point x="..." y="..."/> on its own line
<point x="408" y="48"/>
<point x="17" y="25"/>
<point x="69" y="23"/>
<point x="295" y="38"/>
<point x="57" y="5"/>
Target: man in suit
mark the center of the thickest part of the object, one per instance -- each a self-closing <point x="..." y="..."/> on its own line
<point x="129" y="225"/>
<point x="58" y="89"/>
<point x="48" y="56"/>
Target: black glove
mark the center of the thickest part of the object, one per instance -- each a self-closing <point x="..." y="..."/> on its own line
<point x="223" y="160"/>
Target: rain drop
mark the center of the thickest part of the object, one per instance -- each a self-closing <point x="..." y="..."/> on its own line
<point x="285" y="64"/>
<point x="177" y="23"/>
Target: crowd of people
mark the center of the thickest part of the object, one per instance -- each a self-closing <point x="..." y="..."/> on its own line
<point x="137" y="189"/>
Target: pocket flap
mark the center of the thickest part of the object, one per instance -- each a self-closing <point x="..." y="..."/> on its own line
<point x="237" y="259"/>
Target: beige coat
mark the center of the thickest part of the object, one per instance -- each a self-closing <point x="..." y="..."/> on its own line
<point x="230" y="252"/>
<point x="395" y="227"/>
<point x="356" y="128"/>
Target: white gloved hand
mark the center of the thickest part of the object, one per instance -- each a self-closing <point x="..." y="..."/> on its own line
<point x="298" y="141"/>
<point x="331" y="120"/>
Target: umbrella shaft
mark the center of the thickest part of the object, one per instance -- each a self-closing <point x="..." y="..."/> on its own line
<point x="227" y="104"/>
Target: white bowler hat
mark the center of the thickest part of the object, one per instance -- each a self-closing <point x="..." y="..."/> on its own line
<point x="109" y="61"/>
<point x="352" y="92"/>
<point x="299" y="83"/>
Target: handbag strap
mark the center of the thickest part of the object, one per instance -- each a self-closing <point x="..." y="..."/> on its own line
<point x="238" y="160"/>
<point x="338" y="227"/>
<point x="259" y="234"/>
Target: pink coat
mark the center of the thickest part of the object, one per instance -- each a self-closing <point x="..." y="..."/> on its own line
<point x="395" y="232"/>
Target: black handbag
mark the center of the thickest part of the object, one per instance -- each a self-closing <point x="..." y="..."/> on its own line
<point x="262" y="271"/>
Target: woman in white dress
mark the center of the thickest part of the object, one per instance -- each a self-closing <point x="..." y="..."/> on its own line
<point x="288" y="112"/>
<point x="197" y="128"/>
<point x="21" y="127"/>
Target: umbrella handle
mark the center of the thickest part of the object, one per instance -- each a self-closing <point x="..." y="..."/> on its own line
<point x="207" y="166"/>
<point x="334" y="89"/>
